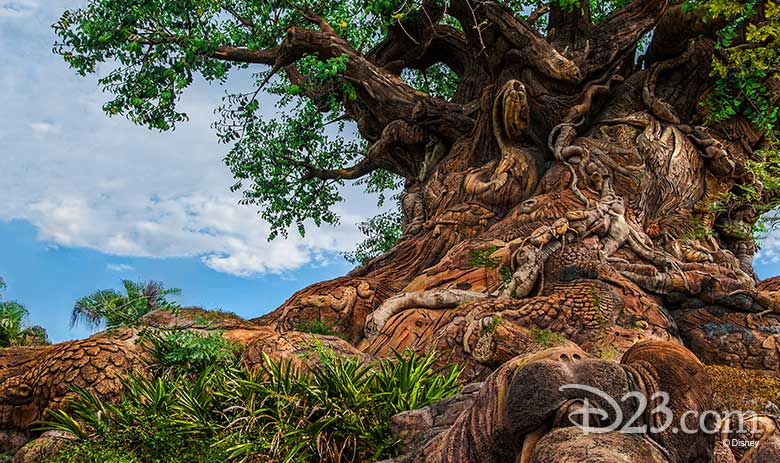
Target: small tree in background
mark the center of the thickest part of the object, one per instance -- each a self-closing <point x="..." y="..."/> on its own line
<point x="12" y="325"/>
<point x="110" y="308"/>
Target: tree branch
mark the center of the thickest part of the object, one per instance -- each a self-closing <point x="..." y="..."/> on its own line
<point x="569" y="30"/>
<point x="246" y="55"/>
<point x="444" y="44"/>
<point x="538" y="13"/>
<point x="362" y="168"/>
<point x="621" y="31"/>
<point x="495" y="34"/>
<point x="244" y="22"/>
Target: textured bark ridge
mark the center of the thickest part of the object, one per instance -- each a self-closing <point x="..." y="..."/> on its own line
<point x="34" y="379"/>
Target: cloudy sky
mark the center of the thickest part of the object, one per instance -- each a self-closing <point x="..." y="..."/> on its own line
<point x="89" y="200"/>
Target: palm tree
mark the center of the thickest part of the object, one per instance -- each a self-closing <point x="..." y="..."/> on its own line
<point x="12" y="330"/>
<point x="111" y="308"/>
<point x="11" y="316"/>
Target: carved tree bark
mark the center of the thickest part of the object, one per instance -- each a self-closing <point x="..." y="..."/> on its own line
<point x="563" y="182"/>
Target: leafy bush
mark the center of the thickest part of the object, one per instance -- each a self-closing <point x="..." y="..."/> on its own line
<point x="113" y="309"/>
<point x="746" y="67"/>
<point x="339" y="411"/>
<point x="323" y="326"/>
<point x="93" y="452"/>
<point x="547" y="338"/>
<point x="740" y="389"/>
<point x="12" y="315"/>
<point x="187" y="351"/>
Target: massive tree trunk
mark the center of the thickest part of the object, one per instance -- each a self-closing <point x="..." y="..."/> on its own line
<point x="564" y="188"/>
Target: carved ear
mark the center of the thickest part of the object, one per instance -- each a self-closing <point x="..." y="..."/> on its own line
<point x="515" y="108"/>
<point x="510" y="112"/>
<point x="670" y="368"/>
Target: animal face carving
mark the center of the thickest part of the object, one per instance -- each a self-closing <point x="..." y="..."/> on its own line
<point x="531" y="409"/>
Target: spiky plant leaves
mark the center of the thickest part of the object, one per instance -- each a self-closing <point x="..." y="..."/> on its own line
<point x="337" y="412"/>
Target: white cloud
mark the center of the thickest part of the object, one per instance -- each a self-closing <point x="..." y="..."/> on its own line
<point x="43" y="128"/>
<point x="87" y="180"/>
<point x="119" y="267"/>
<point x="17" y="9"/>
<point x="770" y="249"/>
<point x="227" y="237"/>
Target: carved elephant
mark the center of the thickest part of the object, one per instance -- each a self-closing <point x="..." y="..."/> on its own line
<point x="532" y="410"/>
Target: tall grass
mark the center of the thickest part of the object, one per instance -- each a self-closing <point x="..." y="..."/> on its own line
<point x="338" y="411"/>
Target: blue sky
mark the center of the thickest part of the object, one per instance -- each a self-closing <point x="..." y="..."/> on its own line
<point x="49" y="278"/>
<point x="90" y="200"/>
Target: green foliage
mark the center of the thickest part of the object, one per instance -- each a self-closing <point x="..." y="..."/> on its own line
<point x="337" y="412"/>
<point x="11" y="316"/>
<point x="762" y="196"/>
<point x="751" y="45"/>
<point x="412" y="381"/>
<point x="438" y="80"/>
<point x="149" y="424"/>
<point x="382" y="232"/>
<point x="599" y="9"/>
<point x="13" y="331"/>
<point x="187" y="351"/>
<point x="114" y="309"/>
<point x="484" y="258"/>
<point x="547" y="338"/>
<point x="748" y="59"/>
<point x="158" y="47"/>
<point x="324" y="327"/>
<point x="95" y="452"/>
<point x="270" y="158"/>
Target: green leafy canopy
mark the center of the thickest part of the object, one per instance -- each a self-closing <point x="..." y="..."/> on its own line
<point x="747" y="72"/>
<point x="156" y="48"/>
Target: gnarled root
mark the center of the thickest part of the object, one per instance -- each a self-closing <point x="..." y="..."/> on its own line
<point x="433" y="299"/>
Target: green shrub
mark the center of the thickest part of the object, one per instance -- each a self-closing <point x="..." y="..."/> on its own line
<point x="382" y="233"/>
<point x="325" y="327"/>
<point x="339" y="411"/>
<point x="94" y="452"/>
<point x="484" y="258"/>
<point x="187" y="351"/>
<point x="547" y="338"/>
